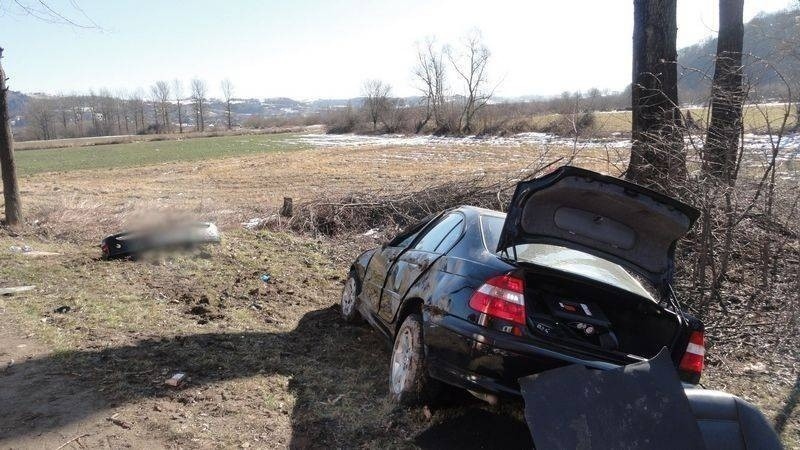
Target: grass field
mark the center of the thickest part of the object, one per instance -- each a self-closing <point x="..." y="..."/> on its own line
<point x="148" y="153"/>
<point x="757" y="119"/>
<point x="269" y="365"/>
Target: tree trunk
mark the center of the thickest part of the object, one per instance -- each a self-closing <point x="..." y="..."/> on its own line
<point x="722" y="140"/>
<point x="13" y="204"/>
<point x="657" y="154"/>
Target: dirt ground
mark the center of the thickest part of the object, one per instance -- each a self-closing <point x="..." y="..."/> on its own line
<point x="84" y="355"/>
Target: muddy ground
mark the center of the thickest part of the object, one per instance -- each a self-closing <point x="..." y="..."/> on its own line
<point x="84" y="355"/>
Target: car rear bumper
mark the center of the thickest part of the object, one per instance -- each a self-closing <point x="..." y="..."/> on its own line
<point x="473" y="357"/>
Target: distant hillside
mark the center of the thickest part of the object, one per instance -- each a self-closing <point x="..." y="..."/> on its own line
<point x="16" y="103"/>
<point x="769" y="40"/>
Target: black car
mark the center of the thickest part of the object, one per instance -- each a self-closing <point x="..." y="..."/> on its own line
<point x="578" y="272"/>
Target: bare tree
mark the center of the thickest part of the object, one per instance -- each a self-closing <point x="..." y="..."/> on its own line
<point x="199" y="98"/>
<point x="76" y="105"/>
<point x="470" y="66"/>
<point x="137" y="109"/>
<point x="227" y="94"/>
<point x="11" y="197"/>
<point x="39" y="115"/>
<point x="155" y="99"/>
<point x="430" y="74"/>
<point x="177" y="90"/>
<point x="162" y="90"/>
<point x="376" y="99"/>
<point x="727" y="94"/>
<point x="657" y="153"/>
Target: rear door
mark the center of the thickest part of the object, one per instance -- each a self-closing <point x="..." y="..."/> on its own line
<point x="408" y="267"/>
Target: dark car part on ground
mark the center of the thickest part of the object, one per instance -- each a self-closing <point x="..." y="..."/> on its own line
<point x="595" y="411"/>
<point x="183" y="235"/>
<point x="573" y="280"/>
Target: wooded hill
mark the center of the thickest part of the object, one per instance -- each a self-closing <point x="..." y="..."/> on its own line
<point x="771" y="50"/>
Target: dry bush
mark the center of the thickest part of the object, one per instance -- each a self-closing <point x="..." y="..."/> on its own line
<point x="366" y="210"/>
<point x="341" y="121"/>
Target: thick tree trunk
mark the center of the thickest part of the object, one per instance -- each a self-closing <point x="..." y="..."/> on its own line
<point x="722" y="140"/>
<point x="657" y="154"/>
<point x="13" y="205"/>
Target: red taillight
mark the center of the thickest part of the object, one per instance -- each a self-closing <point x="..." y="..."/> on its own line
<point x="501" y="297"/>
<point x="692" y="360"/>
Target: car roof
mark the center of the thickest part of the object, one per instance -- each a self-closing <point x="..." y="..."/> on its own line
<point x="481" y="211"/>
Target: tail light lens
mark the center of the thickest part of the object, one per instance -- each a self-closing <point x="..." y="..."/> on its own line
<point x="692" y="361"/>
<point x="501" y="297"/>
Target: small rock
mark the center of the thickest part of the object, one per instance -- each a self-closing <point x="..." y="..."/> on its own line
<point x="426" y="412"/>
<point x="62" y="309"/>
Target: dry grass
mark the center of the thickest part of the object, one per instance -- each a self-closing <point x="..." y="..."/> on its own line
<point x="756" y="119"/>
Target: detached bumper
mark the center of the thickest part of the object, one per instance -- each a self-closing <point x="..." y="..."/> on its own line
<point x="467" y="355"/>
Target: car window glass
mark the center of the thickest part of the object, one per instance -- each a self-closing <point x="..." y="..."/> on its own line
<point x="451" y="238"/>
<point x="407" y="236"/>
<point x="491" y="226"/>
<point x="435" y="235"/>
<point x="406" y="241"/>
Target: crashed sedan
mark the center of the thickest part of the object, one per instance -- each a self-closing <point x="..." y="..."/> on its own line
<point x="578" y="271"/>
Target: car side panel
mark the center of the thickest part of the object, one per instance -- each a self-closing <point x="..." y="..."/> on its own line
<point x="407" y="269"/>
<point x="375" y="276"/>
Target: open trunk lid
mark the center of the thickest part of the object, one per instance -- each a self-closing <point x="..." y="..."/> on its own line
<point x="604" y="216"/>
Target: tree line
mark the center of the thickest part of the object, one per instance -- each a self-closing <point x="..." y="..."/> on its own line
<point x="166" y="107"/>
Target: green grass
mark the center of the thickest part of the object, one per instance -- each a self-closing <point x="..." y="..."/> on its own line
<point x="148" y="153"/>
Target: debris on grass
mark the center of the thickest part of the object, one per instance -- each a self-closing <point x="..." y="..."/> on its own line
<point x="176" y="380"/>
<point x="119" y="422"/>
<point x="62" y="309"/>
<point x="162" y="237"/>
<point x="27" y="250"/>
<point x="259" y="223"/>
<point x="15" y="289"/>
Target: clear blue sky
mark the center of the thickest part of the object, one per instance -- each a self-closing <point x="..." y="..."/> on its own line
<point x="325" y="48"/>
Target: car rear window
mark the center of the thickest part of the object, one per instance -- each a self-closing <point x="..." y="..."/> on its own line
<point x="569" y="260"/>
<point x="586" y="265"/>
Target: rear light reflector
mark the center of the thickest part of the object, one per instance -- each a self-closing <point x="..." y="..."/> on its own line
<point x="692" y="361"/>
<point x="501" y="297"/>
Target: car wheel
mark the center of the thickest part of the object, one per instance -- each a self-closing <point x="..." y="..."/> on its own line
<point x="349" y="303"/>
<point x="409" y="383"/>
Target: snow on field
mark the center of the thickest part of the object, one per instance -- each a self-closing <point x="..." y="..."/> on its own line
<point x="756" y="143"/>
<point x="399" y="140"/>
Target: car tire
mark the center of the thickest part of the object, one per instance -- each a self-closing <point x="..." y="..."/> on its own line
<point x="409" y="383"/>
<point x="349" y="302"/>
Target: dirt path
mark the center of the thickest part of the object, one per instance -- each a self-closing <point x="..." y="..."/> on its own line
<point x="39" y="401"/>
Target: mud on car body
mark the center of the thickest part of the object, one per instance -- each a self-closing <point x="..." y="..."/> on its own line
<point x="578" y="272"/>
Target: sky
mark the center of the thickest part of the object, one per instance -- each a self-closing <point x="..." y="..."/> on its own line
<point x="306" y="49"/>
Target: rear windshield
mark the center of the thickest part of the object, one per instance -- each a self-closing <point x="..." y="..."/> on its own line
<point x="569" y="260"/>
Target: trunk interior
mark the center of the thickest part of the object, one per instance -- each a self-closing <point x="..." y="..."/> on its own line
<point x="593" y="316"/>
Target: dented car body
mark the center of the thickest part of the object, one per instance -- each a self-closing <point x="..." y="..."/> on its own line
<point x="578" y="272"/>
